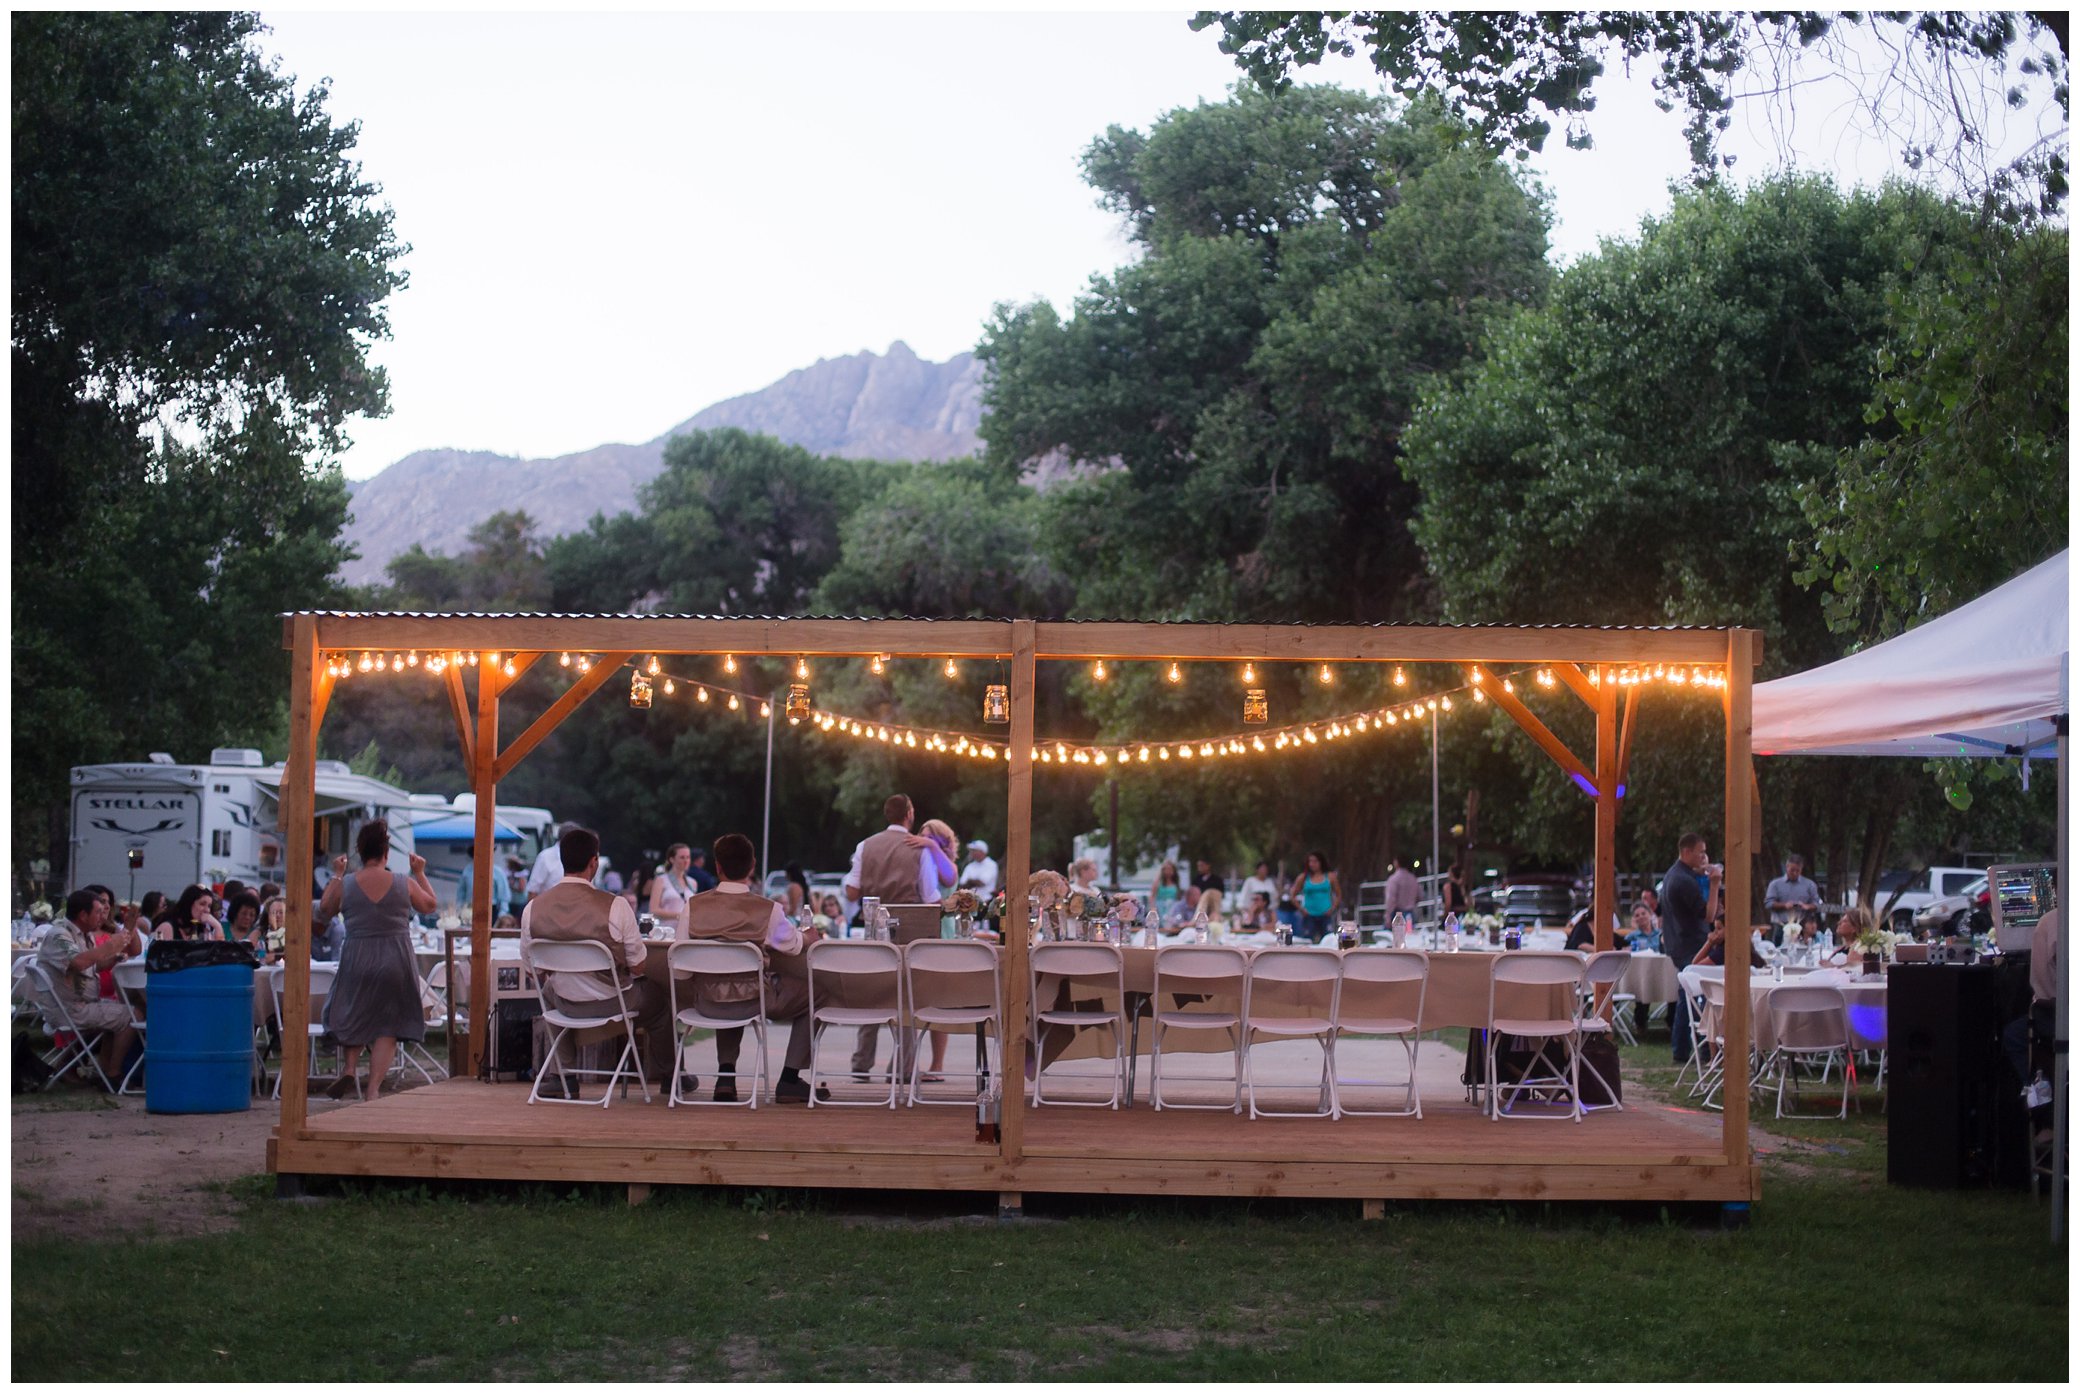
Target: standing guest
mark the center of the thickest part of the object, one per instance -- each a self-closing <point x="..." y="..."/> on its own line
<point x="736" y="913"/>
<point x="74" y="963"/>
<point x="1317" y="893"/>
<point x="548" y="865"/>
<point x="1791" y="893"/>
<point x="1203" y="879"/>
<point x="1168" y="898"/>
<point x="501" y="888"/>
<point x="1257" y="883"/>
<point x="190" y="916"/>
<point x="2038" y="1027"/>
<point x="1402" y="891"/>
<point x="796" y="876"/>
<point x="979" y="872"/>
<point x="374" y="1002"/>
<point x="1686" y="917"/>
<point x="703" y="879"/>
<point x="640" y="882"/>
<point x="946" y="843"/>
<point x="575" y="909"/>
<point x="1456" y="899"/>
<point x="891" y="866"/>
<point x="673" y="885"/>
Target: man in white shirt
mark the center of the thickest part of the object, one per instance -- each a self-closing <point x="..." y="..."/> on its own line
<point x="979" y="874"/>
<point x="1258" y="883"/>
<point x="548" y="870"/>
<point x="733" y="912"/>
<point x="892" y="864"/>
<point x="574" y="909"/>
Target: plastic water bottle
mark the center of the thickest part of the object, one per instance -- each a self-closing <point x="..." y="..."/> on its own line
<point x="1451" y="933"/>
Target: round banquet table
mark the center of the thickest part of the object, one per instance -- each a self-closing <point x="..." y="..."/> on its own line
<point x="1864" y="997"/>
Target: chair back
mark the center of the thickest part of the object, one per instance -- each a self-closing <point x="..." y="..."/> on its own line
<point x="858" y="958"/>
<point x="48" y="999"/>
<point x="322" y="975"/>
<point x="700" y="957"/>
<point x="963" y="972"/>
<point x="1381" y="982"/>
<point x="1206" y="966"/>
<point x="1606" y="969"/>
<point x="1825" y="1008"/>
<point x="1536" y="968"/>
<point x="1077" y="960"/>
<point x="129" y="976"/>
<point x="1281" y="977"/>
<point x="548" y="958"/>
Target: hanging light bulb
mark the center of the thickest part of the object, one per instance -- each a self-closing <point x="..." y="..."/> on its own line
<point x="952" y="669"/>
<point x="670" y="687"/>
<point x="700" y="694"/>
<point x="474" y="658"/>
<point x="1176" y="674"/>
<point x="1326" y="676"/>
<point x="801" y="669"/>
<point x="510" y="670"/>
<point x="1098" y="670"/>
<point x="564" y="658"/>
<point x="1400" y="678"/>
<point x="412" y="659"/>
<point x="1249" y="672"/>
<point x="653" y="665"/>
<point x="729" y="663"/>
<point x="877" y="665"/>
<point x="765" y="709"/>
<point x="734" y="704"/>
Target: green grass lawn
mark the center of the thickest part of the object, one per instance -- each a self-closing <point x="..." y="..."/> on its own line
<point x="1838" y="1276"/>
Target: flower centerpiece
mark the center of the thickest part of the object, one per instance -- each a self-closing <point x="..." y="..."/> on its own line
<point x="1126" y="908"/>
<point x="1048" y="888"/>
<point x="1085" y="905"/>
<point x="962" y="905"/>
<point x="1874" y="944"/>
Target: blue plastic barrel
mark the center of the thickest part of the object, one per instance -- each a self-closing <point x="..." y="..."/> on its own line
<point x="198" y="1043"/>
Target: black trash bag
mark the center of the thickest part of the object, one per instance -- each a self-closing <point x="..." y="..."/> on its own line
<point x="1604" y="1086"/>
<point x="173" y="955"/>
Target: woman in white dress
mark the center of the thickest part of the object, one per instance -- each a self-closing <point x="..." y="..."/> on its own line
<point x="673" y="887"/>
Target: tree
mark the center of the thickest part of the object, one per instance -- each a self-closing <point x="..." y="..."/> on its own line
<point x="1938" y="80"/>
<point x="199" y="270"/>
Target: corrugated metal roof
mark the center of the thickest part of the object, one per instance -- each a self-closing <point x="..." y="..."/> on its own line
<point x="988" y="619"/>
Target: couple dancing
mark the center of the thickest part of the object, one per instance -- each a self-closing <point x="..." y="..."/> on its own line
<point x="901" y="867"/>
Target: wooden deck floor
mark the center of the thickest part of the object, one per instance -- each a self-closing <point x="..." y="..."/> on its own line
<point x="465" y="1129"/>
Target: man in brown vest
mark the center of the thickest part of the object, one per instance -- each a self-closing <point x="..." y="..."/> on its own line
<point x="574" y="909"/>
<point x="889" y="866"/>
<point x="735" y="912"/>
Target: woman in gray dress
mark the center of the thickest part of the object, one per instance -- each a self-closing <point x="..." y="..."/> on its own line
<point x="375" y="997"/>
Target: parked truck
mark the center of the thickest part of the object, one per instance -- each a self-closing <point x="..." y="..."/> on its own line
<point x="163" y="826"/>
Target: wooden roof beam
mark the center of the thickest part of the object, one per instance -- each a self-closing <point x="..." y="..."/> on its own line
<point x="1536" y="729"/>
<point x="523" y="745"/>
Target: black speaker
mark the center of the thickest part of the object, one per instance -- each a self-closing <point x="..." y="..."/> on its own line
<point x="512" y="1039"/>
<point x="1955" y="1116"/>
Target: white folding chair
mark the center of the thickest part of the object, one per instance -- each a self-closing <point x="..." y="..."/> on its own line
<point x="866" y="961"/>
<point x="1712" y="1029"/>
<point x="1808" y="1022"/>
<point x="591" y="960"/>
<point x="437" y="983"/>
<point x="1525" y="971"/>
<point x="960" y="976"/>
<point x="57" y="1016"/>
<point x="691" y="961"/>
<point x="1089" y="966"/>
<point x="1601" y="977"/>
<point x="1292" y="977"/>
<point x="1382" y="995"/>
<point x="129" y="975"/>
<point x="23" y="994"/>
<point x="322" y="975"/>
<point x="1220" y="977"/>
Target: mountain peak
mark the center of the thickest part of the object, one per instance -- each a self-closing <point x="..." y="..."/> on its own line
<point x="867" y="406"/>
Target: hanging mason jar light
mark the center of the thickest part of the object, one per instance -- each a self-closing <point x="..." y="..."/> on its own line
<point x="797" y="703"/>
<point x="1256" y="708"/>
<point x="639" y="689"/>
<point x="996" y="704"/>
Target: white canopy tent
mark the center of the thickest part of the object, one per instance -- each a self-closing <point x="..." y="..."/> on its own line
<point x="1987" y="679"/>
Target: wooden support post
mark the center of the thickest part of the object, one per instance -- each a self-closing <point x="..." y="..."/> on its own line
<point x="1374" y="1210"/>
<point x="1738" y="890"/>
<point x="484" y="756"/>
<point x="638" y="1194"/>
<point x="1018" y="857"/>
<point x="1604" y="901"/>
<point x="1011" y="1205"/>
<point x="1625" y="737"/>
<point x="1572" y="677"/>
<point x="299" y="797"/>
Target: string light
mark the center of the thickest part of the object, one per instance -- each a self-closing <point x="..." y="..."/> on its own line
<point x="670" y="687"/>
<point x="1176" y="674"/>
<point x="734" y="704"/>
<point x="510" y="670"/>
<point x="878" y="664"/>
<point x="1400" y="678"/>
<point x="1326" y="676"/>
<point x="1249" y="672"/>
<point x="700" y="694"/>
<point x="653" y="668"/>
<point x="564" y="659"/>
<point x="1098" y="670"/>
<point x="801" y="669"/>
<point x="729" y="663"/>
<point x="953" y="669"/>
<point x="765" y="709"/>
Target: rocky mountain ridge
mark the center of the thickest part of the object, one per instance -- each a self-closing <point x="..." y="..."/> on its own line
<point x="868" y="406"/>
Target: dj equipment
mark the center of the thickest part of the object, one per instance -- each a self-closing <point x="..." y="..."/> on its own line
<point x="1954" y="1111"/>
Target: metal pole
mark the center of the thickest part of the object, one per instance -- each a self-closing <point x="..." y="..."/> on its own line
<point x="1436" y="839"/>
<point x="765" y="836"/>
<point x="1112" y="860"/>
<point x="2060" y="1115"/>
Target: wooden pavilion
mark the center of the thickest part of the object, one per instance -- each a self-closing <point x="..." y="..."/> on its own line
<point x="462" y="1128"/>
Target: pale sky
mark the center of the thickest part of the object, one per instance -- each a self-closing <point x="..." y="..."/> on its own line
<point x="617" y="220"/>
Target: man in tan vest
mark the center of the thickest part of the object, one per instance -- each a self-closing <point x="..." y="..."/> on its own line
<point x="574" y="909"/>
<point x="889" y="866"/>
<point x="735" y="912"/>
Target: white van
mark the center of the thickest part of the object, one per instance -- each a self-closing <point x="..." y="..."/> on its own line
<point x="162" y="826"/>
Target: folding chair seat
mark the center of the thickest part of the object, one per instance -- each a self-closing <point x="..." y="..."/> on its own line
<point x="876" y="968"/>
<point x="582" y="958"/>
<point x="691" y="961"/>
<point x="1382" y="995"/>
<point x="950" y="984"/>
<point x="1601" y="978"/>
<point x="1294" y="977"/>
<point x="79" y="1044"/>
<point x="1089" y="967"/>
<point x="1528" y="970"/>
<point x="1810" y="1022"/>
<point x="1219" y="978"/>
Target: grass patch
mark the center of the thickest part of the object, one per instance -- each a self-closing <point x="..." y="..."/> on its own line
<point x="488" y="1281"/>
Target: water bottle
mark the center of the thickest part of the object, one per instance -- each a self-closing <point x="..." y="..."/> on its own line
<point x="1451" y="933"/>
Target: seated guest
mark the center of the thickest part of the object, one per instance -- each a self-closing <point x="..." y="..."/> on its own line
<point x="1646" y="930"/>
<point x="190" y="917"/>
<point x="574" y="909"/>
<point x="242" y="922"/>
<point x="1581" y="932"/>
<point x="733" y="911"/>
<point x="1259" y="915"/>
<point x="1856" y="921"/>
<point x="1714" y="950"/>
<point x="830" y="915"/>
<point x="75" y="963"/>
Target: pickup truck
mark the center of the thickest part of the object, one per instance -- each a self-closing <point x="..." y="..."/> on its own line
<point x="1919" y="891"/>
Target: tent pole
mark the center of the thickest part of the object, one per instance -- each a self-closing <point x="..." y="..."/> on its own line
<point x="1436" y="842"/>
<point x="2060" y="1114"/>
<point x="1738" y="897"/>
<point x="765" y="836"/>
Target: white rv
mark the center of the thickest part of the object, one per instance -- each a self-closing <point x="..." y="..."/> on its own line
<point x="162" y="826"/>
<point x="444" y="832"/>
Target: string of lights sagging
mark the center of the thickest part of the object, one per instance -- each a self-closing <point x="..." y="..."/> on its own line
<point x="648" y="678"/>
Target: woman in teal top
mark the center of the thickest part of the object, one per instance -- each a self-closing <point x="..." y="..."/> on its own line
<point x="1168" y="893"/>
<point x="1318" y="895"/>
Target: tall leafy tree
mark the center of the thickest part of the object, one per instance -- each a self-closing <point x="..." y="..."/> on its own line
<point x="199" y="271"/>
